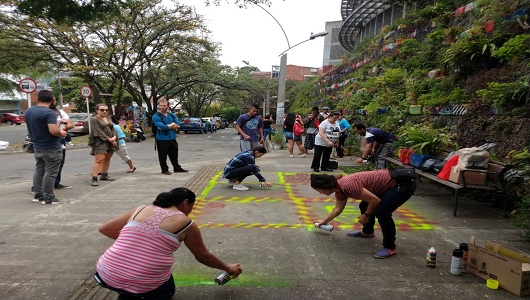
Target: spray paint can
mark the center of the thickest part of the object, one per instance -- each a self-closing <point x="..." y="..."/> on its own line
<point x="465" y="249"/>
<point x="456" y="261"/>
<point x="431" y="257"/>
<point x="223" y="278"/>
<point x="325" y="227"/>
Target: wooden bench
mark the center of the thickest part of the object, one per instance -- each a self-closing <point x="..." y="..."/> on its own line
<point x="495" y="173"/>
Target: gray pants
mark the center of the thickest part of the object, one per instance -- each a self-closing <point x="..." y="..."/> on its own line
<point x="47" y="164"/>
<point x="382" y="151"/>
<point x="248" y="145"/>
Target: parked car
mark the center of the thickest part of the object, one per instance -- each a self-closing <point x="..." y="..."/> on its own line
<point x="80" y="121"/>
<point x="11" y="119"/>
<point x="192" y="124"/>
<point x="208" y="124"/>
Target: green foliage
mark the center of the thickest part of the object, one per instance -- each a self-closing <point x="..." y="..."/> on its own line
<point x="278" y="138"/>
<point x="516" y="48"/>
<point x="69" y="11"/>
<point x="499" y="93"/>
<point x="522" y="216"/>
<point x="424" y="139"/>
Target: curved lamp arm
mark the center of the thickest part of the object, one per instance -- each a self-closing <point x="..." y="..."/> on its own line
<point x="311" y="37"/>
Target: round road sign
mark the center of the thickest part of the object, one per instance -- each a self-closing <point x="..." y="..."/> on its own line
<point x="86" y="91"/>
<point x="27" y="85"/>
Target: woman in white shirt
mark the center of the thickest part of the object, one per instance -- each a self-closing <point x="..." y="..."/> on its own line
<point x="327" y="138"/>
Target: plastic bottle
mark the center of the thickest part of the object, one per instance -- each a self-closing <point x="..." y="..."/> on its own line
<point x="431" y="257"/>
<point x="223" y="278"/>
<point x="456" y="261"/>
<point x="325" y="227"/>
<point x="465" y="249"/>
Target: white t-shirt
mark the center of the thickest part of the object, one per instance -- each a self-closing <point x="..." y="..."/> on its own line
<point x="62" y="116"/>
<point x="332" y="132"/>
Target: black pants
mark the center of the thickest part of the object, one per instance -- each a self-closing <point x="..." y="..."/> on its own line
<point x="240" y="173"/>
<point x="164" y="292"/>
<point x="167" y="148"/>
<point x="390" y="201"/>
<point x="321" y="152"/>
<point x="340" y="148"/>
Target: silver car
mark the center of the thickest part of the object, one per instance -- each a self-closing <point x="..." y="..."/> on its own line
<point x="80" y="121"/>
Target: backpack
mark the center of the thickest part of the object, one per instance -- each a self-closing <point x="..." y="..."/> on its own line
<point x="298" y="129"/>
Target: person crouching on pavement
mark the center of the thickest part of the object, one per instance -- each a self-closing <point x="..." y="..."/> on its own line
<point x="243" y="165"/>
<point x="380" y="196"/>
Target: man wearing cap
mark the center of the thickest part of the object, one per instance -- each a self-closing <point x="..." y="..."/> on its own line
<point x="378" y="143"/>
<point x="325" y="112"/>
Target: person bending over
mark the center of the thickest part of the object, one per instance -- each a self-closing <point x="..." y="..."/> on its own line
<point x="380" y="196"/>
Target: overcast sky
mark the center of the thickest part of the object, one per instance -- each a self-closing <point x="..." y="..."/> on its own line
<point x="252" y="35"/>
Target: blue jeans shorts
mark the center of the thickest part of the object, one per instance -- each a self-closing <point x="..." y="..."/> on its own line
<point x="291" y="136"/>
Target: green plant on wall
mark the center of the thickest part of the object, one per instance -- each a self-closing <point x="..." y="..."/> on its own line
<point x="516" y="48"/>
<point x="499" y="93"/>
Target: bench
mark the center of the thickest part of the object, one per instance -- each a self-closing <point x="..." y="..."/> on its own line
<point x="494" y="172"/>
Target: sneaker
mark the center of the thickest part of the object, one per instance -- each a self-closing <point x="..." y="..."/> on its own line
<point x="70" y="144"/>
<point x="385" y="253"/>
<point x="303" y="155"/>
<point x="231" y="182"/>
<point x="62" y="186"/>
<point x="290" y="155"/>
<point x="316" y="170"/>
<point x="37" y="198"/>
<point x="240" y="187"/>
<point x="360" y="234"/>
<point x="55" y="200"/>
<point x="106" y="178"/>
<point x="166" y="172"/>
<point x="327" y="170"/>
<point x="181" y="170"/>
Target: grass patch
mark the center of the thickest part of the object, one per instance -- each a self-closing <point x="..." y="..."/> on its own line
<point x="356" y="169"/>
<point x="80" y="139"/>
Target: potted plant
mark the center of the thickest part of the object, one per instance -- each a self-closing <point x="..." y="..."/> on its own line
<point x="279" y="139"/>
<point x="426" y="142"/>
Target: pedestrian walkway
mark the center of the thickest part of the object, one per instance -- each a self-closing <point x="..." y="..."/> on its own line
<point x="270" y="232"/>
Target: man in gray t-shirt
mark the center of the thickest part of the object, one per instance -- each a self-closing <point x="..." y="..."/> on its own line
<point x="250" y="127"/>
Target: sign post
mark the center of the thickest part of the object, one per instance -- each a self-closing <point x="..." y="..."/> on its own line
<point x="86" y="92"/>
<point x="28" y="86"/>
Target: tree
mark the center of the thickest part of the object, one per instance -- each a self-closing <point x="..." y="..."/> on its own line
<point x="146" y="49"/>
<point x="69" y="11"/>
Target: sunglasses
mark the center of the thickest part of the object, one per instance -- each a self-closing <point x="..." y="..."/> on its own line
<point x="103" y="109"/>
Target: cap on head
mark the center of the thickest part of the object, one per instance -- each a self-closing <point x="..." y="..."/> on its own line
<point x="325" y="108"/>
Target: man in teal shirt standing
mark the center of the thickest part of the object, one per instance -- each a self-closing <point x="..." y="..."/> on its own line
<point x="167" y="124"/>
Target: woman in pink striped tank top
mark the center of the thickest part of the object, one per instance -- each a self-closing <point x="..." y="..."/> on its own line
<point x="138" y="264"/>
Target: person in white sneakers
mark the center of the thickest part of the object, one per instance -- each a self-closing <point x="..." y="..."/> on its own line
<point x="243" y="165"/>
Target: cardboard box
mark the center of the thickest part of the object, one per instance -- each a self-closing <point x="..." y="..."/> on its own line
<point x="472" y="177"/>
<point x="510" y="268"/>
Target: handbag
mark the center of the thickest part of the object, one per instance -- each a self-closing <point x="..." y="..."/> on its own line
<point x="429" y="164"/>
<point x="298" y="129"/>
<point x="333" y="165"/>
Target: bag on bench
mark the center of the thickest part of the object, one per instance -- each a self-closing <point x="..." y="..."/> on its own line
<point x="401" y="174"/>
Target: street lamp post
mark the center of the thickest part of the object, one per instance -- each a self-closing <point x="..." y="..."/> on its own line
<point x="280" y="110"/>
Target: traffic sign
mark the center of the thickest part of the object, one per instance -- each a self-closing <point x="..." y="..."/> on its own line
<point x="86" y="91"/>
<point x="27" y="85"/>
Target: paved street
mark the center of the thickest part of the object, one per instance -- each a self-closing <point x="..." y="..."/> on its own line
<point x="49" y="252"/>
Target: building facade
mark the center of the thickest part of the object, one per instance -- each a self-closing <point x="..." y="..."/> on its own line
<point x="365" y="18"/>
<point x="334" y="52"/>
